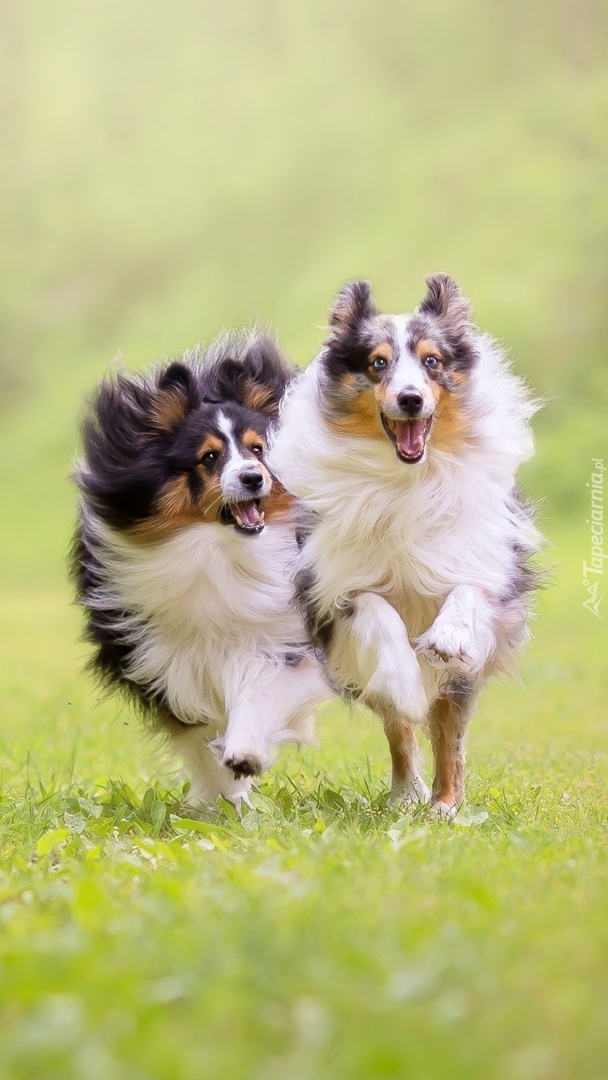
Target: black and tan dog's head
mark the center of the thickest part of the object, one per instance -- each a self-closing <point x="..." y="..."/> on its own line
<point x="187" y="444"/>
<point x="401" y="377"/>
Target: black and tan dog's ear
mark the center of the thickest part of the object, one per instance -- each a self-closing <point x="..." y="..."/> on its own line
<point x="445" y="301"/>
<point x="267" y="374"/>
<point x="177" y="396"/>
<point x="261" y="398"/>
<point x="353" y="303"/>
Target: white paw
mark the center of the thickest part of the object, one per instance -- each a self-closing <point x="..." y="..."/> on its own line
<point x="243" y="756"/>
<point x="444" y="811"/>
<point x="413" y="792"/>
<point x="462" y="636"/>
<point x="404" y="690"/>
<point x="455" y="646"/>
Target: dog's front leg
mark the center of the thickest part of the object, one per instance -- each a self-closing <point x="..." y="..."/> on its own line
<point x="245" y="749"/>
<point x="373" y="651"/>
<point x="448" y="721"/>
<point x="407" y="784"/>
<point x="462" y="638"/>
<point x="208" y="778"/>
<point x="274" y="704"/>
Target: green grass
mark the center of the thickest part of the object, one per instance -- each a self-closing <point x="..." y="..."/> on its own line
<point x="178" y="168"/>
<point x="324" y="935"/>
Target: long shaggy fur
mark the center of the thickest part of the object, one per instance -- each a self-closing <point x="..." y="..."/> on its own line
<point x="183" y="559"/>
<point x="403" y="441"/>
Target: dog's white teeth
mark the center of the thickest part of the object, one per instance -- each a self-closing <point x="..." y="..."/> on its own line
<point x="262" y="515"/>
<point x="239" y="520"/>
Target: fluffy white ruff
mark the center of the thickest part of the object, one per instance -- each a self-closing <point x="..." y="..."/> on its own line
<point x="434" y="539"/>
<point x="215" y="629"/>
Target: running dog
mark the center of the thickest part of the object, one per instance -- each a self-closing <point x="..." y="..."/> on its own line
<point x="183" y="560"/>
<point x="402" y="441"/>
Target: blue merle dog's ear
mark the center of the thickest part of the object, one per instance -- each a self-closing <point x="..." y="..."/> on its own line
<point x="352" y="304"/>
<point x="177" y="396"/>
<point x="445" y="301"/>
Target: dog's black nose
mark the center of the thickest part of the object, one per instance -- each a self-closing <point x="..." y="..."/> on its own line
<point x="252" y="480"/>
<point x="410" y="401"/>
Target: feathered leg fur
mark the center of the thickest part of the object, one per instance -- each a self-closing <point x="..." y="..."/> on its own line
<point x="448" y="722"/>
<point x="371" y="645"/>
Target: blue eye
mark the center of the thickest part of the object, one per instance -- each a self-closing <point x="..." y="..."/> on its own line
<point x="431" y="362"/>
<point x="379" y="363"/>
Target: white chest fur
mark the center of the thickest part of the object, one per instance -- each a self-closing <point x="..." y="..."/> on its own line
<point x="403" y="530"/>
<point x="207" y="605"/>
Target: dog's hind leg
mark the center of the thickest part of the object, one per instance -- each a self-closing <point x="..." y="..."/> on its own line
<point x="407" y="785"/>
<point x="448" y="721"/>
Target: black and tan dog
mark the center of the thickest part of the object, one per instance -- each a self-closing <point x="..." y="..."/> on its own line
<point x="183" y="561"/>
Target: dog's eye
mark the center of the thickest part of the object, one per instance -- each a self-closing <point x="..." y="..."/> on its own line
<point x="379" y="363"/>
<point x="210" y="458"/>
<point x="431" y="362"/>
<point x="257" y="450"/>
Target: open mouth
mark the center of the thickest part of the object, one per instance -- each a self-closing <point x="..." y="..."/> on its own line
<point x="409" y="437"/>
<point x="245" y="516"/>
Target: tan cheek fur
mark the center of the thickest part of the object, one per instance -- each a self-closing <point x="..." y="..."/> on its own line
<point x="362" y="411"/>
<point x="450" y="431"/>
<point x="176" y="509"/>
<point x="451" y="427"/>
<point x="278" y="506"/>
<point x="362" y="418"/>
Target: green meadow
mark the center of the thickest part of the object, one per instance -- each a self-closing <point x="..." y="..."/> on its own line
<point x="171" y="170"/>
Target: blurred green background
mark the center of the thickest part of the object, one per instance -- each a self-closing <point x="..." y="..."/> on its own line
<point x="171" y="169"/>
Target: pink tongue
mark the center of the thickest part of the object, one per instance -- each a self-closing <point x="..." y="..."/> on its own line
<point x="249" y="514"/>
<point x="410" y="437"/>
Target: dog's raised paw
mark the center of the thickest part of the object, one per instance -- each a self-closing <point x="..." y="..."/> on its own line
<point x="461" y="662"/>
<point x="451" y="647"/>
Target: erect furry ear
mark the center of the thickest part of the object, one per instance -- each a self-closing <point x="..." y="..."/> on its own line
<point x="176" y="396"/>
<point x="176" y="377"/>
<point x="249" y="370"/>
<point x="261" y="398"/>
<point x="445" y="301"/>
<point x="352" y="303"/>
<point x="267" y="375"/>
